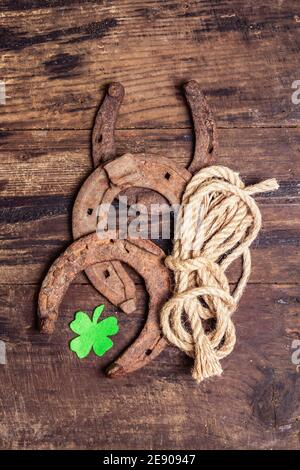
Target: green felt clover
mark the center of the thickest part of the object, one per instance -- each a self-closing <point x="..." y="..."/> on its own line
<point x="92" y="334"/>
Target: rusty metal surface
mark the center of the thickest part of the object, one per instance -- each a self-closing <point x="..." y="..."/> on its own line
<point x="143" y="256"/>
<point x="204" y="127"/>
<point x="102" y="187"/>
<point x="129" y="173"/>
<point x="111" y="279"/>
<point x="103" y="138"/>
<point x="103" y="141"/>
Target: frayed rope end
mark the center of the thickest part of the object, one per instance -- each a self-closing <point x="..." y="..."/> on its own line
<point x="206" y="363"/>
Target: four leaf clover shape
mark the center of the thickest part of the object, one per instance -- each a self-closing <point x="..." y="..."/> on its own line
<point x="92" y="334"/>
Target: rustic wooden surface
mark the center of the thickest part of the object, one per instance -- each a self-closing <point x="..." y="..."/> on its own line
<point x="57" y="56"/>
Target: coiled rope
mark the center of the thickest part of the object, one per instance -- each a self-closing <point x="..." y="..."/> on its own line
<point x="217" y="222"/>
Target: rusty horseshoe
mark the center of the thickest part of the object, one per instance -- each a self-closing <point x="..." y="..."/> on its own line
<point x="102" y="259"/>
<point x="113" y="175"/>
<point x="144" y="257"/>
<point x="129" y="171"/>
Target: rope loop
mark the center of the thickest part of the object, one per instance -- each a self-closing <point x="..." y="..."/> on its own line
<point x="216" y="224"/>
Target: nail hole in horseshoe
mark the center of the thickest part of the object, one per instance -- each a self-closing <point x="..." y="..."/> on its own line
<point x="148" y="352"/>
<point x="89" y="211"/>
<point x="106" y="274"/>
<point x="167" y="175"/>
<point x="100" y="138"/>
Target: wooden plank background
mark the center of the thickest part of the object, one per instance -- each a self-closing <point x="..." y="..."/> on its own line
<point x="57" y="56"/>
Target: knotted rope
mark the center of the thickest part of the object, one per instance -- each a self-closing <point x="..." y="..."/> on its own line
<point x="217" y="222"/>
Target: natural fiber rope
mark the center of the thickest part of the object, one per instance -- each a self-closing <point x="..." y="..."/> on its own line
<point x="217" y="222"/>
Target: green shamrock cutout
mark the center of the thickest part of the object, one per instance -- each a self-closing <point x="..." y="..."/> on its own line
<point x="92" y="334"/>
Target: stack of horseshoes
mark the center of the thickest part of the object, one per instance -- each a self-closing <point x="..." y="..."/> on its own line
<point x="101" y="259"/>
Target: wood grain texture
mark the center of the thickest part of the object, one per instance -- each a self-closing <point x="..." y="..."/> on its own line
<point x="57" y="401"/>
<point x="57" y="58"/>
<point x="41" y="174"/>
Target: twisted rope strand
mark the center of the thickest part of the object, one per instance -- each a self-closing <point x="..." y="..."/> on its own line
<point x="216" y="224"/>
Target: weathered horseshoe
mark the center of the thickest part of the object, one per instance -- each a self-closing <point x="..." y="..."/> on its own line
<point x="204" y="126"/>
<point x="103" y="137"/>
<point x="132" y="171"/>
<point x="143" y="256"/>
<point x="111" y="279"/>
<point x="104" y="185"/>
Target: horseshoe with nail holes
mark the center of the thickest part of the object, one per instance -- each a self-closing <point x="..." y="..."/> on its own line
<point x="116" y="175"/>
<point x="110" y="179"/>
<point x="143" y="256"/>
<point x="101" y="257"/>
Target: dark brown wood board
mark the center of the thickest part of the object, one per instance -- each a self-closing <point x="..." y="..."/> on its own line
<point x="57" y="56"/>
